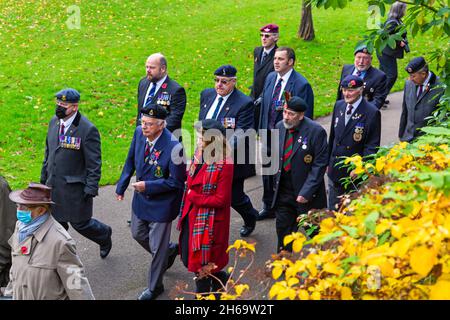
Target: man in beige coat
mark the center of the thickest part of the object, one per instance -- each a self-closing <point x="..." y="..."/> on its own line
<point x="7" y="223"/>
<point x="45" y="265"/>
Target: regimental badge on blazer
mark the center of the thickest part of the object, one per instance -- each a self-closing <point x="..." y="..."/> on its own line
<point x="164" y="99"/>
<point x="68" y="142"/>
<point x="308" y="159"/>
<point x="229" y="123"/>
<point x="359" y="130"/>
<point x="158" y="172"/>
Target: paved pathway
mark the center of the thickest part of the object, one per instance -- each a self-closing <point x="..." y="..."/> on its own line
<point x="122" y="275"/>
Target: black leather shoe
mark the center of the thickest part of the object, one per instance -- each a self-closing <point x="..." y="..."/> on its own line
<point x="265" y="214"/>
<point x="151" y="295"/>
<point x="246" y="230"/>
<point x="173" y="252"/>
<point x="105" y="249"/>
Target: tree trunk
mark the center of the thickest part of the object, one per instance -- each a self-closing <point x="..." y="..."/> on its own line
<point x="306" y="28"/>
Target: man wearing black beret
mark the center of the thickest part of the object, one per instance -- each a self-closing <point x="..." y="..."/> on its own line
<point x="355" y="129"/>
<point x="374" y="79"/>
<point x="72" y="167"/>
<point x="420" y="97"/>
<point x="235" y="110"/>
<point x="158" y="190"/>
<point x="299" y="183"/>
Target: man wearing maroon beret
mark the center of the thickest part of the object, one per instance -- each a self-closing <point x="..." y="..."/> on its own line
<point x="263" y="62"/>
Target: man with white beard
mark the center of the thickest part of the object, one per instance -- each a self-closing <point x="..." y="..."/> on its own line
<point x="299" y="183"/>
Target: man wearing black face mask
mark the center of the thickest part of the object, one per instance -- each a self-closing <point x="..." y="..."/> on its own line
<point x="72" y="167"/>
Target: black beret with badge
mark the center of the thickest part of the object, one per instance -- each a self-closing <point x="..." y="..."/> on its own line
<point x="68" y="95"/>
<point x="415" y="65"/>
<point x="296" y="104"/>
<point x="226" y="71"/>
<point x="154" y="111"/>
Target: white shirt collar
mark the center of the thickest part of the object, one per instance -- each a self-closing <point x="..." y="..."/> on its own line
<point x="285" y="77"/>
<point x="68" y="122"/>
<point x="356" y="104"/>
<point x="425" y="83"/>
<point x="155" y="140"/>
<point x="268" y="51"/>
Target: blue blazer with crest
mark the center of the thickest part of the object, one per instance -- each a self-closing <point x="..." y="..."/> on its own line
<point x="164" y="180"/>
<point x="345" y="141"/>
<point x="297" y="85"/>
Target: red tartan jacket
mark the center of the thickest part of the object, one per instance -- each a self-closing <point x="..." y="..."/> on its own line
<point x="221" y="201"/>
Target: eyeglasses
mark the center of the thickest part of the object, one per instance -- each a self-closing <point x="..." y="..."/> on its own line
<point x="265" y="35"/>
<point x="148" y="124"/>
<point x="222" y="81"/>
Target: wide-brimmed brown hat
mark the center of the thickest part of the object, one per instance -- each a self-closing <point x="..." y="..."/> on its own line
<point x="36" y="193"/>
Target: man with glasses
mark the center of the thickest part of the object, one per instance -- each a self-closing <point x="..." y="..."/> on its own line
<point x="263" y="63"/>
<point x="284" y="79"/>
<point x="234" y="110"/>
<point x="374" y="79"/>
<point x="72" y="167"/>
<point x="158" y="88"/>
<point x="158" y="190"/>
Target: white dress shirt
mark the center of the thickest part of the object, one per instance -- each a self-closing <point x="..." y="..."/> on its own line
<point x="158" y="85"/>
<point x="355" y="106"/>
<point x="214" y="105"/>
<point x="283" y="83"/>
<point x="67" y="123"/>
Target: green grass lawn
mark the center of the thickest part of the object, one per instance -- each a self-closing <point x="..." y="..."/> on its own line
<point x="104" y="60"/>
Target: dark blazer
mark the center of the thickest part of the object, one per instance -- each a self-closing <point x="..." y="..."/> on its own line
<point x="176" y="99"/>
<point x="374" y="85"/>
<point x="342" y="140"/>
<point x="414" y="111"/>
<point x="307" y="177"/>
<point x="261" y="70"/>
<point x="392" y="26"/>
<point x="161" y="200"/>
<point x="240" y="108"/>
<point x="72" y="173"/>
<point x="297" y="85"/>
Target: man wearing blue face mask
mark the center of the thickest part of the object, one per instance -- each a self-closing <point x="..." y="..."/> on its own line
<point x="72" y="167"/>
<point x="45" y="265"/>
<point x="7" y="223"/>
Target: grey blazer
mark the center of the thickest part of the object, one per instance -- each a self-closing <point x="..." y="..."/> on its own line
<point x="415" y="110"/>
<point x="73" y="171"/>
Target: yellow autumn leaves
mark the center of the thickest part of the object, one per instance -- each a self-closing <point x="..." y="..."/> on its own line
<point x="392" y="242"/>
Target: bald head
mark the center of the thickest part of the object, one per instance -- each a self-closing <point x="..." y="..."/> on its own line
<point x="156" y="67"/>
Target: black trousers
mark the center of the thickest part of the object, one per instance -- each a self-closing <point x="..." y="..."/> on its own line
<point x="242" y="203"/>
<point x="287" y="209"/>
<point x="92" y="229"/>
<point x="388" y="65"/>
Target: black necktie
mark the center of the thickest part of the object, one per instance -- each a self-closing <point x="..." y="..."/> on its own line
<point x="216" y="112"/>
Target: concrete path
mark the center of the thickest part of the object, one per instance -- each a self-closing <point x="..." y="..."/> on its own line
<point x="122" y="275"/>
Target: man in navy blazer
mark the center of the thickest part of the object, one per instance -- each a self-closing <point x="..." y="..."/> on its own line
<point x="157" y="158"/>
<point x="235" y="110"/>
<point x="158" y="88"/>
<point x="355" y="129"/>
<point x="283" y="79"/>
<point x="299" y="182"/>
<point x="374" y="79"/>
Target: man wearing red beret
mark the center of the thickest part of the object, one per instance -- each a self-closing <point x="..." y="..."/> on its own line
<point x="263" y="63"/>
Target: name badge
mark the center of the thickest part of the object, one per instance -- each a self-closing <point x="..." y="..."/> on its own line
<point x="68" y="142"/>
